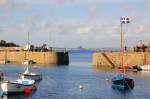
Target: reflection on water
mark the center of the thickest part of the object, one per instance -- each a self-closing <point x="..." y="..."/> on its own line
<point x="141" y="73"/>
<point x="102" y="68"/>
<point x="128" y="73"/>
<point x="19" y="96"/>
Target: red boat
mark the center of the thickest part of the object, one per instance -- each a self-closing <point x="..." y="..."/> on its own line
<point x="1" y="76"/>
<point x="130" y="67"/>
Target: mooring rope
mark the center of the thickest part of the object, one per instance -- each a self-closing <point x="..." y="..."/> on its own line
<point x="131" y="90"/>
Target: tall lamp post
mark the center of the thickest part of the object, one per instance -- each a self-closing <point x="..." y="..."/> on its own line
<point x="123" y="20"/>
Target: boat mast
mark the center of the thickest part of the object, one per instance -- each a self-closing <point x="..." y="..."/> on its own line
<point x="28" y="46"/>
<point x="28" y="54"/>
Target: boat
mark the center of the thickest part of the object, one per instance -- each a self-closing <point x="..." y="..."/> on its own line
<point x="130" y="68"/>
<point x="27" y="62"/>
<point x="1" y="76"/>
<point x="138" y="68"/>
<point x="121" y="81"/>
<point x="18" y="86"/>
<point x="145" y="67"/>
<point x="29" y="75"/>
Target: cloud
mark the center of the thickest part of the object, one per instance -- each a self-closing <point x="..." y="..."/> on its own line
<point x="82" y="30"/>
<point x="9" y="7"/>
<point x="71" y="32"/>
<point x="66" y="33"/>
<point x="46" y="2"/>
<point x="93" y="11"/>
<point x="74" y="33"/>
<point x="3" y="2"/>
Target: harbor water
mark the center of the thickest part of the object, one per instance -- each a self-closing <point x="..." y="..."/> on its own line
<point x="63" y="82"/>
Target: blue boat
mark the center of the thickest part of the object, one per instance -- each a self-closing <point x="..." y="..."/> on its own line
<point x="122" y="82"/>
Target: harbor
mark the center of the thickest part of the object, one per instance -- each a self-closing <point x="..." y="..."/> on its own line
<point x="26" y="82"/>
<point x="74" y="49"/>
<point x="63" y="81"/>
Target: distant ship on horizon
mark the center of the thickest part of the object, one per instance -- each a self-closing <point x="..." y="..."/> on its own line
<point x="80" y="48"/>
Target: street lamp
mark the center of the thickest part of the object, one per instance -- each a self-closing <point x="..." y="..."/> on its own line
<point x="123" y="20"/>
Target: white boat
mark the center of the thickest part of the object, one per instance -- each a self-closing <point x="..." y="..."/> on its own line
<point x="19" y="86"/>
<point x="145" y="67"/>
<point x="30" y="75"/>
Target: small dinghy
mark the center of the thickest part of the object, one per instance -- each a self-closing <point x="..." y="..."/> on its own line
<point x="145" y="67"/>
<point x="122" y="82"/>
<point x="29" y="75"/>
<point x="19" y="86"/>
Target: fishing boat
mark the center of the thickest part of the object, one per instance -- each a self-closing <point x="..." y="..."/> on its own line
<point x="121" y="81"/>
<point x="18" y="86"/>
<point x="29" y="75"/>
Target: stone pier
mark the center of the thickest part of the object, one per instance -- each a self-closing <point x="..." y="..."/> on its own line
<point x="112" y="59"/>
<point x="53" y="58"/>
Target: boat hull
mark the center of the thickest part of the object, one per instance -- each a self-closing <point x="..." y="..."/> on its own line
<point x="122" y="83"/>
<point x="119" y="87"/>
<point x="15" y="88"/>
<point x="145" y="67"/>
<point x="131" y="68"/>
<point x="28" y="62"/>
<point x="35" y="77"/>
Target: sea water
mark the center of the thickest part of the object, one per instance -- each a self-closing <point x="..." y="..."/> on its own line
<point x="63" y="82"/>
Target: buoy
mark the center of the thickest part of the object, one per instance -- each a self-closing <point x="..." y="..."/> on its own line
<point x="27" y="90"/>
<point x="81" y="87"/>
<point x="107" y="79"/>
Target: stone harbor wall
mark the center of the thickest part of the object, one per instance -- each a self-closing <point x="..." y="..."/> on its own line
<point x="112" y="59"/>
<point x="56" y="58"/>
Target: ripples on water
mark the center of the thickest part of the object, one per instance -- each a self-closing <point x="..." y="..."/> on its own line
<point x="62" y="82"/>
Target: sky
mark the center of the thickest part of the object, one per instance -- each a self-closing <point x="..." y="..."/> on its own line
<point x="73" y="23"/>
